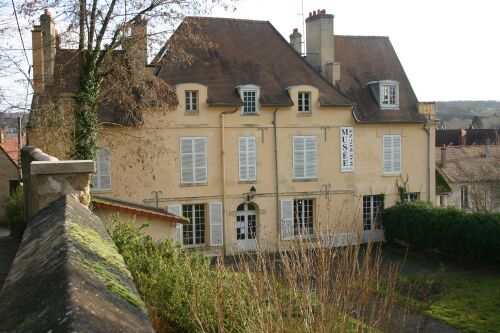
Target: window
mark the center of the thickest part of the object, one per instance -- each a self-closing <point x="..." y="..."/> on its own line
<point x="101" y="179"/>
<point x="296" y="218"/>
<point x="389" y="95"/>
<point x="347" y="149"/>
<point x="191" y="101"/>
<point x="247" y="158"/>
<point x="249" y="101"/>
<point x="372" y="211"/>
<point x="304" y="157"/>
<point x="250" y="96"/>
<point x="194" y="233"/>
<point x="303" y="217"/>
<point x="464" y="196"/>
<point x="392" y="154"/>
<point x="304" y="102"/>
<point x="411" y="196"/>
<point x="193" y="160"/>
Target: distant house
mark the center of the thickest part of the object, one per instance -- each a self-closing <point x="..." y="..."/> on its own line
<point x="9" y="170"/>
<point x="467" y="137"/>
<point x="266" y="146"/>
<point x="469" y="177"/>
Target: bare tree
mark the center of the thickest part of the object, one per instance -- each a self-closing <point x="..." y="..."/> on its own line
<point x="110" y="70"/>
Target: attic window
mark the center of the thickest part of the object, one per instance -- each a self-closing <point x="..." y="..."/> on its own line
<point x="386" y="93"/>
<point x="250" y="96"/>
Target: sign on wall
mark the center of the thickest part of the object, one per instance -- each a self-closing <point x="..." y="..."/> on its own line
<point x="346" y="149"/>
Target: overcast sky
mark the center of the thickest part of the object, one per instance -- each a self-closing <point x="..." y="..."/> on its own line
<point x="450" y="49"/>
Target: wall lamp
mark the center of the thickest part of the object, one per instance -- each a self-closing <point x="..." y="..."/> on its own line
<point x="251" y="194"/>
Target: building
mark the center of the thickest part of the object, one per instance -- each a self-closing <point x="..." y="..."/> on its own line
<point x="9" y="170"/>
<point x="265" y="146"/>
<point x="468" y="170"/>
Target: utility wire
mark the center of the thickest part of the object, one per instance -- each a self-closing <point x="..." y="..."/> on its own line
<point x="21" y="36"/>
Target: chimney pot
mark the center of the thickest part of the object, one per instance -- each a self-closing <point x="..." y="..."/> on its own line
<point x="47" y="12"/>
<point x="310" y="14"/>
<point x="319" y="11"/>
<point x="443" y="156"/>
<point x="295" y="30"/>
<point x="314" y="13"/>
<point x="323" y="11"/>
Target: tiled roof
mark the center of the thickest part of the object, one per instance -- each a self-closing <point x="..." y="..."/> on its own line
<point x="367" y="59"/>
<point x="469" y="163"/>
<point x="137" y="209"/>
<point x="458" y="137"/>
<point x="10" y="149"/>
<point x="246" y="52"/>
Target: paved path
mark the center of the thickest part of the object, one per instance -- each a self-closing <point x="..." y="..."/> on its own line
<point x="8" y="250"/>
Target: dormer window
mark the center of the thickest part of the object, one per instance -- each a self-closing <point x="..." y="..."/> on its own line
<point x="386" y="93"/>
<point x="304" y="102"/>
<point x="191" y="101"/>
<point x="250" y="96"/>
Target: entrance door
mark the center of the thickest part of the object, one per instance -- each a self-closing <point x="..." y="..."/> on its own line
<point x="246" y="227"/>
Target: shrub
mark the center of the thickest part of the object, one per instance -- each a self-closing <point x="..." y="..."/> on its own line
<point x="14" y="212"/>
<point x="456" y="233"/>
<point x="302" y="289"/>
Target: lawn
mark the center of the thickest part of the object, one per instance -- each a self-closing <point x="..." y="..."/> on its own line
<point x="463" y="296"/>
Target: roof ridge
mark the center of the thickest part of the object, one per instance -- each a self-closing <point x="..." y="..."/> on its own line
<point x="225" y="19"/>
<point x="362" y="36"/>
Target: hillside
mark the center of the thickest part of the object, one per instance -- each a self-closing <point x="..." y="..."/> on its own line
<point x="457" y="114"/>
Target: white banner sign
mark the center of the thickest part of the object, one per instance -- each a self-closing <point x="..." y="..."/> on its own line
<point x="346" y="149"/>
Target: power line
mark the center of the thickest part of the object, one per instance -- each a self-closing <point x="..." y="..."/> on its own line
<point x="21" y="35"/>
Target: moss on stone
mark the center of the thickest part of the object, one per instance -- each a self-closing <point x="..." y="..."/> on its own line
<point x="94" y="243"/>
<point x="111" y="261"/>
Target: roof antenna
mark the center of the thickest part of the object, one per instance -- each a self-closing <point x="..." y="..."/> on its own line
<point x="303" y="30"/>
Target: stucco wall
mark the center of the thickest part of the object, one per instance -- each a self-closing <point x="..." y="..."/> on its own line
<point x="8" y="171"/>
<point x="146" y="159"/>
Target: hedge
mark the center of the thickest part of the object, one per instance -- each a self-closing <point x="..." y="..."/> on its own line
<point x="450" y="231"/>
<point x="14" y="212"/>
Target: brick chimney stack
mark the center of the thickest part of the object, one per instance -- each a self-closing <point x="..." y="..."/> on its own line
<point x="320" y="45"/>
<point x="139" y="34"/>
<point x="296" y="40"/>
<point x="443" y="156"/>
<point x="50" y="41"/>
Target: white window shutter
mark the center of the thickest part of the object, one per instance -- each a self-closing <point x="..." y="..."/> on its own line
<point x="298" y="157"/>
<point x="396" y="154"/>
<point x="392" y="153"/>
<point x="286" y="219"/>
<point x="311" y="157"/>
<point x="216" y="228"/>
<point x="200" y="160"/>
<point x="251" y="158"/>
<point x="176" y="210"/>
<point x="243" y="161"/>
<point x="187" y="163"/>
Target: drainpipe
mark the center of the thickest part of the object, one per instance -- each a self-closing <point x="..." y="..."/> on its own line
<point x="429" y="158"/>
<point x="222" y="114"/>
<point x="276" y="173"/>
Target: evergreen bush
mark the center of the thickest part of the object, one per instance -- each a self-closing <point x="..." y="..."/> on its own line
<point x="14" y="212"/>
<point x="456" y="233"/>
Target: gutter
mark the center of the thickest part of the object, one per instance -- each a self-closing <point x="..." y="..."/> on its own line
<point x="429" y="158"/>
<point x="223" y="160"/>
<point x="278" y="213"/>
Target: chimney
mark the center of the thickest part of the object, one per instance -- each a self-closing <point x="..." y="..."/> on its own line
<point x="50" y="40"/>
<point x="296" y="40"/>
<point x="319" y="43"/>
<point x="463" y="136"/>
<point x="38" y="70"/>
<point x="1" y="136"/>
<point x="443" y="156"/>
<point x="139" y="34"/>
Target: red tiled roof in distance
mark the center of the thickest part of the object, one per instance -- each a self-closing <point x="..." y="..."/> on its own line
<point x="9" y="147"/>
<point x="245" y="52"/>
<point x="367" y="59"/>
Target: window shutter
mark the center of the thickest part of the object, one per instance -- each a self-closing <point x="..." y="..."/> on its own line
<point x="346" y="149"/>
<point x="311" y="157"/>
<point x="243" y="159"/>
<point x="298" y="157"/>
<point x="216" y="228"/>
<point x="176" y="210"/>
<point x="247" y="158"/>
<point x="200" y="160"/>
<point x="396" y="154"/>
<point x="105" y="170"/>
<point x="187" y="175"/>
<point x="286" y="215"/>
<point x="392" y="153"/>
